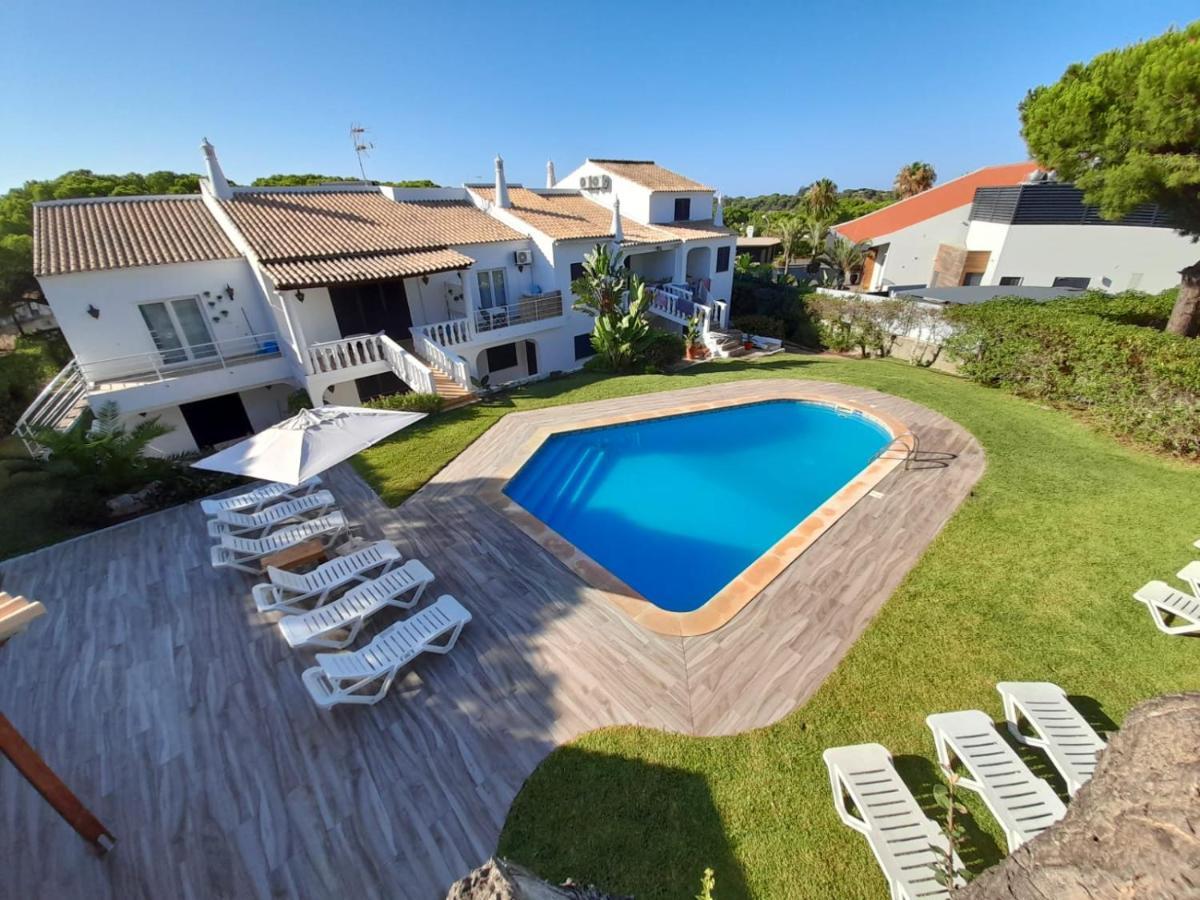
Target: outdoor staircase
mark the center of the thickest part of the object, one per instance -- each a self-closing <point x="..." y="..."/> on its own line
<point x="453" y="393"/>
<point x="724" y="343"/>
<point x="58" y="406"/>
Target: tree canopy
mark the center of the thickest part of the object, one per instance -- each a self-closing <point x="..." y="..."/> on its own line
<point x="1125" y="128"/>
<point x="913" y="179"/>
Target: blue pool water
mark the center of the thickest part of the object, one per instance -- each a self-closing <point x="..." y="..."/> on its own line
<point x="678" y="507"/>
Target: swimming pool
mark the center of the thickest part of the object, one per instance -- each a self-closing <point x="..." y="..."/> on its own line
<point x="678" y="507"/>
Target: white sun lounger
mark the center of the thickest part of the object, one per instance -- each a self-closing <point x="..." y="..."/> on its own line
<point x="240" y="553"/>
<point x="898" y="832"/>
<point x="1022" y="803"/>
<point x="263" y="522"/>
<point x="1062" y="733"/>
<point x="288" y="592"/>
<point x="271" y="492"/>
<point x="364" y="676"/>
<point x="1165" y="602"/>
<point x="337" y="624"/>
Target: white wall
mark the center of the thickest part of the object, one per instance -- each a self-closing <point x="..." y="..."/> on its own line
<point x="120" y="329"/>
<point x="1114" y="257"/>
<point x="637" y="202"/>
<point x="912" y="250"/>
<point x="662" y="205"/>
<point x="264" y="407"/>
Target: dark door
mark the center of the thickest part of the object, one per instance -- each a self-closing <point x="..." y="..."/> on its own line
<point x="371" y="308"/>
<point x="531" y="357"/>
<point x="216" y="419"/>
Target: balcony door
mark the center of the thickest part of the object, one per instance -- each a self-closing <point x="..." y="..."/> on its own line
<point x="372" y="308"/>
<point x="179" y="330"/>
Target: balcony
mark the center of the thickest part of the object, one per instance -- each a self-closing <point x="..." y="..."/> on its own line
<point x="525" y="310"/>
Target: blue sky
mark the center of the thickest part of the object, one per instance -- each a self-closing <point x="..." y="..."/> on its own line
<point x="751" y="97"/>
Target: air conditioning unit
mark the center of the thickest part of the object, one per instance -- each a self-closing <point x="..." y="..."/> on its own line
<point x="594" y="182"/>
<point x="523" y="257"/>
<point x="583" y="182"/>
<point x="605" y="183"/>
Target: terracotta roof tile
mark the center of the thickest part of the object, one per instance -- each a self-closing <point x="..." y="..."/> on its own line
<point x="695" y="229"/>
<point x="571" y="216"/>
<point x="649" y="174"/>
<point x="933" y="202"/>
<point x="117" y="233"/>
<point x="304" y="273"/>
<point x="286" y="225"/>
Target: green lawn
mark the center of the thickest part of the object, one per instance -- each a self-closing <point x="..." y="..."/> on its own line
<point x="1030" y="580"/>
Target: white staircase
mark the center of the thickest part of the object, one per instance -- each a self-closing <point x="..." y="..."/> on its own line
<point x="58" y="406"/>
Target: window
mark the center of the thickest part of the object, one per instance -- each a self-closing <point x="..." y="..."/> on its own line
<point x="972" y="278"/>
<point x="576" y="271"/>
<point x="583" y="345"/>
<point x="502" y="357"/>
<point x="178" y="330"/>
<point x="491" y="288"/>
<point x="722" y="259"/>
<point x="1010" y="280"/>
<point x="683" y="209"/>
<point x="1070" y="281"/>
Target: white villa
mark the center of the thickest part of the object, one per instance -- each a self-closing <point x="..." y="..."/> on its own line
<point x="209" y="310"/>
<point x="1012" y="225"/>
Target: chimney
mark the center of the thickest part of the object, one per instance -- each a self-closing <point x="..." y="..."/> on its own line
<point x="501" y="185"/>
<point x="618" y="234"/>
<point x="218" y="186"/>
<point x="550" y="179"/>
<point x="719" y="216"/>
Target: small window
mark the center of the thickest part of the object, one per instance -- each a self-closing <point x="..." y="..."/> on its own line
<point x="583" y="346"/>
<point x="576" y="271"/>
<point x="722" y="259"/>
<point x="683" y="209"/>
<point x="1010" y="280"/>
<point x="972" y="278"/>
<point x="502" y="357"/>
<point x="1070" y="281"/>
<point x="492" y="291"/>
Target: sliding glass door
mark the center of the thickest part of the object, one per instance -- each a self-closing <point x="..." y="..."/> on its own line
<point x="178" y="330"/>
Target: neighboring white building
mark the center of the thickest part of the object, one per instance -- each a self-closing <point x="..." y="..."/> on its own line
<point x="1011" y="225"/>
<point x="209" y="310"/>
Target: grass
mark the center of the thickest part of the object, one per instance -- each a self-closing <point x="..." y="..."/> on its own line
<point x="1031" y="580"/>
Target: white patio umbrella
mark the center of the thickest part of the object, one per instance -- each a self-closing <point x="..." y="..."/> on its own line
<point x="308" y="443"/>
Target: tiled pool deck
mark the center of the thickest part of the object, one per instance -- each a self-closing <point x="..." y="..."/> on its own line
<point x="177" y="713"/>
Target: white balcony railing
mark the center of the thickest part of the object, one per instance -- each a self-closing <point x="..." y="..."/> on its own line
<point x="369" y="351"/>
<point x="438" y="356"/>
<point x="171" y="362"/>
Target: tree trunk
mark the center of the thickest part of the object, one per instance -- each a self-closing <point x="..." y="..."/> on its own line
<point x="1185" y="317"/>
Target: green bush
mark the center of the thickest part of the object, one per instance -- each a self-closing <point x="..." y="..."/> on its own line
<point x="1138" y="382"/>
<point x="411" y="402"/>
<point x="763" y="326"/>
<point x="25" y="371"/>
<point x="664" y="350"/>
<point x="786" y="302"/>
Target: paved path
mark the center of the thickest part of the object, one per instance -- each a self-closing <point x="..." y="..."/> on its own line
<point x="177" y="712"/>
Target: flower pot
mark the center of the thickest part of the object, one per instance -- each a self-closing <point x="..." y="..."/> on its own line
<point x="747" y="345"/>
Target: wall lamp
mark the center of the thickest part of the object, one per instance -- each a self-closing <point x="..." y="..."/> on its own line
<point x="425" y="279"/>
<point x="93" y="312"/>
<point x="300" y="296"/>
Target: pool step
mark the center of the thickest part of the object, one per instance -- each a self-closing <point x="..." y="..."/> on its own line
<point x="553" y="459"/>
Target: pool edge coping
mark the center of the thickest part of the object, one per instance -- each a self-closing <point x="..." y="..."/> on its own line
<point x="723" y="606"/>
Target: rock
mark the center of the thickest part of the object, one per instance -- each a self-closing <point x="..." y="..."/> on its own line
<point x="124" y="505"/>
<point x="498" y="879"/>
<point x="1133" y="831"/>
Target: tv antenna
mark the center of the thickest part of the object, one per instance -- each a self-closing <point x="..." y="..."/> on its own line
<point x="362" y="147"/>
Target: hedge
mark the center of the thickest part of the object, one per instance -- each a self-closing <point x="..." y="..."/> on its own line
<point x="1137" y="381"/>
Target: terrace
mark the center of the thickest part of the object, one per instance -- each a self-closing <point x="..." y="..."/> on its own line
<point x="178" y="713"/>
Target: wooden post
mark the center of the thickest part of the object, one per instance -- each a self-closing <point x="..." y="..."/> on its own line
<point x="50" y="786"/>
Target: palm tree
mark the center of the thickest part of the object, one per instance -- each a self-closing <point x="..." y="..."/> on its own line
<point x="789" y="229"/>
<point x="914" y="178"/>
<point x="816" y="233"/>
<point x="848" y="256"/>
<point x="821" y="196"/>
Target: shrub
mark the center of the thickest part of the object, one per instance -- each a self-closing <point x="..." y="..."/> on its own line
<point x="664" y="350"/>
<point x="871" y="324"/>
<point x="1137" y="382"/>
<point x="23" y="372"/>
<point x="786" y="302"/>
<point x="763" y="326"/>
<point x="410" y="402"/>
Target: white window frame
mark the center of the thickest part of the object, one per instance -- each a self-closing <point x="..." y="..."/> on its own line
<point x="491" y="279"/>
<point x="187" y="349"/>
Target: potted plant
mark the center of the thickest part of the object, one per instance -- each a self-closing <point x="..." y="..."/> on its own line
<point x="747" y="343"/>
<point x="693" y="348"/>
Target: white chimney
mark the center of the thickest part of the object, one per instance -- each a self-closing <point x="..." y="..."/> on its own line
<point x="719" y="216"/>
<point x="501" y="185"/>
<point x="618" y="234"/>
<point x="550" y="179"/>
<point x="218" y="186"/>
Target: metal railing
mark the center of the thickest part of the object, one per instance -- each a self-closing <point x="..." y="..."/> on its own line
<point x="909" y="443"/>
<point x="527" y="309"/>
<point x="57" y="401"/>
<point x="170" y="362"/>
